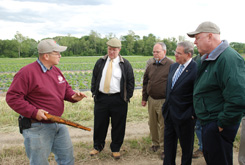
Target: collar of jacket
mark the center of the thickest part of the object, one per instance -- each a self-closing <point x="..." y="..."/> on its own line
<point x="216" y="52"/>
<point x="120" y="58"/>
<point x="163" y="61"/>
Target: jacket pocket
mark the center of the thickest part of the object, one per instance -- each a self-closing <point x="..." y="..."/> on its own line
<point x="200" y="107"/>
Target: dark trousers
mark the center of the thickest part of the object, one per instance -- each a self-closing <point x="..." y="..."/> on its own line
<point x="185" y="133"/>
<point x="109" y="107"/>
<point x="218" y="146"/>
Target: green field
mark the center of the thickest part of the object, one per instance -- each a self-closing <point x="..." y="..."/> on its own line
<point x="67" y="63"/>
<point x="77" y="70"/>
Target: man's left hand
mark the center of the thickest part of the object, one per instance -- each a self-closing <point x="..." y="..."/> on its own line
<point x="78" y="96"/>
<point x="220" y="129"/>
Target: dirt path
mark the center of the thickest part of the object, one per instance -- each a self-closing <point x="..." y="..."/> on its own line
<point x="133" y="131"/>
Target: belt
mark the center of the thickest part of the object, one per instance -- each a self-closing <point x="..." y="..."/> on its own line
<point x="33" y="121"/>
<point x="43" y="121"/>
<point x="109" y="94"/>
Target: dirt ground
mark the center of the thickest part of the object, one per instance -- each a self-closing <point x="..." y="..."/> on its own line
<point x="133" y="131"/>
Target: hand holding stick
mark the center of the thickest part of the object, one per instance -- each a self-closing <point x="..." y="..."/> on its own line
<point x="58" y="119"/>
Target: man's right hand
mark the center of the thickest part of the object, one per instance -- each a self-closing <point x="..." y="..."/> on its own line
<point x="40" y="115"/>
<point x="143" y="103"/>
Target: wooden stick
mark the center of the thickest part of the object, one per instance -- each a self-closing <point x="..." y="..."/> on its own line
<point x="58" y="119"/>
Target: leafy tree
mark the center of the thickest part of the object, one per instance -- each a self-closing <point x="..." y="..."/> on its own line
<point x="1" y="47"/>
<point x="149" y="42"/>
<point x="195" y="50"/>
<point x="128" y="42"/>
<point x="20" y="38"/>
<point x="171" y="44"/>
<point x="181" y="39"/>
<point x="84" y="44"/>
<point x="110" y="36"/>
<point x="138" y="46"/>
<point x="93" y="44"/>
<point x="29" y="48"/>
<point x="239" y="47"/>
<point x="10" y="48"/>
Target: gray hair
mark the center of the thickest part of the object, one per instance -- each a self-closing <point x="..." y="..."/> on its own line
<point x="188" y="47"/>
<point x="162" y="45"/>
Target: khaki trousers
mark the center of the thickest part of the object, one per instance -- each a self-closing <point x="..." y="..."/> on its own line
<point x="156" y="121"/>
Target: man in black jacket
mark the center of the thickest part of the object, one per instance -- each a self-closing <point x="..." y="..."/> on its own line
<point x="112" y="87"/>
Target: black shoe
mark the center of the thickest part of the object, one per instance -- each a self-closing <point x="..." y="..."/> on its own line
<point x="154" y="148"/>
<point x="198" y="153"/>
<point x="162" y="155"/>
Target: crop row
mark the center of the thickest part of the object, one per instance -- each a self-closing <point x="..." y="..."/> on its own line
<point x="81" y="59"/>
<point x="64" y="67"/>
<point x="78" y="80"/>
<point x="77" y="70"/>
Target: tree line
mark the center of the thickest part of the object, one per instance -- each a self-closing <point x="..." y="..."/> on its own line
<point x="95" y="45"/>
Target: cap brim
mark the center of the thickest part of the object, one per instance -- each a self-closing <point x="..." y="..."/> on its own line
<point x="113" y="46"/>
<point x="192" y="34"/>
<point x="60" y="48"/>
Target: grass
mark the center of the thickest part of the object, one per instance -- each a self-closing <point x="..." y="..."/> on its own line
<point x="13" y="156"/>
<point x="8" y="117"/>
<point x="131" y="149"/>
<point x="82" y="112"/>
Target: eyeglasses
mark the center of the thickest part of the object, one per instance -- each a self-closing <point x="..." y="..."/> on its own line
<point x="158" y="51"/>
<point x="55" y="53"/>
<point x="177" y="53"/>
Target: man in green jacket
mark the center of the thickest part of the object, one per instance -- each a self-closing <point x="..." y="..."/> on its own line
<point x="219" y="93"/>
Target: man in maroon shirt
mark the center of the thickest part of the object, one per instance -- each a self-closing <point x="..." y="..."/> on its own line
<point x="38" y="88"/>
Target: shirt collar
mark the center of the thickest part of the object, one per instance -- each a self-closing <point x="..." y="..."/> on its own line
<point x="211" y="54"/>
<point x="44" y="69"/>
<point x="187" y="63"/>
<point x="158" y="62"/>
<point x="117" y="60"/>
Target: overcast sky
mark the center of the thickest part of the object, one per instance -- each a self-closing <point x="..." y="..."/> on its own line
<point x="38" y="19"/>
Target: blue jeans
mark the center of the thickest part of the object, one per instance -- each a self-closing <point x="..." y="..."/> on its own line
<point x="198" y="129"/>
<point x="43" y="138"/>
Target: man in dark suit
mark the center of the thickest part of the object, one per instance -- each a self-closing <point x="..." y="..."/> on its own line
<point x="178" y="111"/>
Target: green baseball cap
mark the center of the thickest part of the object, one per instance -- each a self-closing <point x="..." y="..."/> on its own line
<point x="114" y="42"/>
<point x="206" y="27"/>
